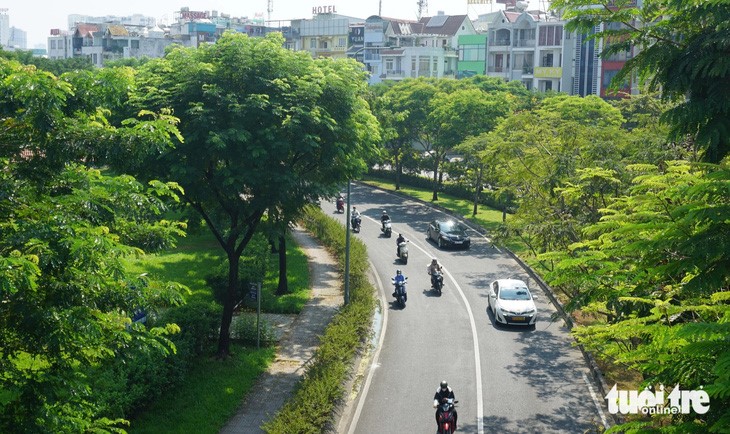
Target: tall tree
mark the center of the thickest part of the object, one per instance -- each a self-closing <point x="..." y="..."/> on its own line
<point x="681" y="49"/>
<point x="66" y="301"/>
<point x="656" y="270"/>
<point x="263" y="126"/>
<point x="467" y="111"/>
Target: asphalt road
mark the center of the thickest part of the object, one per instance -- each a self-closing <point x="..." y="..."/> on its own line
<point x="506" y="379"/>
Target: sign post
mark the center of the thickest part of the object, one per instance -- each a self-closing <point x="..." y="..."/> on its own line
<point x="254" y="291"/>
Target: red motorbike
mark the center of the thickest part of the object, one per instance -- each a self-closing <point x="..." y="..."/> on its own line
<point x="446" y="417"/>
<point x="340" y="205"/>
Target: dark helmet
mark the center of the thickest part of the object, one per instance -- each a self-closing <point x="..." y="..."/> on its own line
<point x="444" y="385"/>
<point x="400" y="235"/>
<point x="398" y="272"/>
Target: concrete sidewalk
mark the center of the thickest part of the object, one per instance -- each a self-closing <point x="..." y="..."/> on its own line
<point x="297" y="345"/>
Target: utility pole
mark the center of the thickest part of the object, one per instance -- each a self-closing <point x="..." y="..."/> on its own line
<point x="270" y="9"/>
<point x="347" y="248"/>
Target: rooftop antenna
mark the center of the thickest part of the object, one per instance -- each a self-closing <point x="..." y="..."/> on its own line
<point x="270" y="9"/>
<point x="422" y="8"/>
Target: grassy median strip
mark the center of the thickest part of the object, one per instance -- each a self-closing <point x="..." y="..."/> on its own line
<point x="311" y="409"/>
<point x="213" y="390"/>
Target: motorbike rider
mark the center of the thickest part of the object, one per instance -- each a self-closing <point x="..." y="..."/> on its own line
<point x="340" y="202"/>
<point x="355" y="215"/>
<point x="443" y="393"/>
<point x="400" y="239"/>
<point x="383" y="218"/>
<point x="400" y="279"/>
<point x="434" y="267"/>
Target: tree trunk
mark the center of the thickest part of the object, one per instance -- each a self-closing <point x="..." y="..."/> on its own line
<point x="477" y="190"/>
<point x="283" y="287"/>
<point x="435" y="182"/>
<point x="398" y="170"/>
<point x="224" y="339"/>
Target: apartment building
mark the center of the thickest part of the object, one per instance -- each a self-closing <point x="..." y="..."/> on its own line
<point x="531" y="48"/>
<point x="424" y="48"/>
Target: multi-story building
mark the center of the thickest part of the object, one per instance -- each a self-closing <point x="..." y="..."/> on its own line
<point x="4" y="28"/>
<point x="472" y="55"/>
<point x="425" y="48"/>
<point x="531" y="48"/>
<point x="326" y="34"/>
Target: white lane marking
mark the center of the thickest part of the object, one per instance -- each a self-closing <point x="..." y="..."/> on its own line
<point x="477" y="357"/>
<point x="596" y="401"/>
<point x="376" y="355"/>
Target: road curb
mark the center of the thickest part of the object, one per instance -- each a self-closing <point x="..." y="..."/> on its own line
<point x="587" y="356"/>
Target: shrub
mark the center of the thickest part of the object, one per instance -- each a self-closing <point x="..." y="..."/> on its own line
<point x="244" y="330"/>
<point x="311" y="408"/>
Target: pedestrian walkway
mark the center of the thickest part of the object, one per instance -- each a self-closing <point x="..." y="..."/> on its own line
<point x="297" y="345"/>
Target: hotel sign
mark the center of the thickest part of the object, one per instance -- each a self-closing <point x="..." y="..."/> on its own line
<point x="548" y="72"/>
<point x="324" y="10"/>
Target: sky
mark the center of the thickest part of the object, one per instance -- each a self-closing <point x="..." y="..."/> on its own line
<point x="37" y="17"/>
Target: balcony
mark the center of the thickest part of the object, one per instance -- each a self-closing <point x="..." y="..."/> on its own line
<point x="522" y="43"/>
<point x="499" y="43"/>
<point x="395" y="73"/>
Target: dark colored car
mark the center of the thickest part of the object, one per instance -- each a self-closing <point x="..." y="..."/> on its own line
<point x="448" y="233"/>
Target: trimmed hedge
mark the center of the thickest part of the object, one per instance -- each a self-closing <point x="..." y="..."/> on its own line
<point x="312" y="406"/>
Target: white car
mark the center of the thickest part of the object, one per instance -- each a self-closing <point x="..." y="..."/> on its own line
<point x="511" y="302"/>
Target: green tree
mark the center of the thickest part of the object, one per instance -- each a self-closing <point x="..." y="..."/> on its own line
<point x="541" y="151"/>
<point x="681" y="50"/>
<point x="262" y="126"/>
<point x="467" y="111"/>
<point x="66" y="301"/>
<point x="655" y="267"/>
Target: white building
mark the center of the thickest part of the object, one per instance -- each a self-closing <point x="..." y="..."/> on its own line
<point x="532" y="48"/>
<point x="425" y="48"/>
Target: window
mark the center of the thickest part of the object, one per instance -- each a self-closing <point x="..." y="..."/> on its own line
<point x="547" y="59"/>
<point x="389" y="65"/>
<point x="550" y="35"/>
<point x="312" y="43"/>
<point x="472" y="53"/>
<point x="342" y="42"/>
<point x="135" y="43"/>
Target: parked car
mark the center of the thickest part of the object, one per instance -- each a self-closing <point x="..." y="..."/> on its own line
<point x="511" y="302"/>
<point x="448" y="233"/>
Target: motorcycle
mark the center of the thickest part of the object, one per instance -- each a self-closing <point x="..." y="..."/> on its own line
<point x="340" y="205"/>
<point x="387" y="229"/>
<point x="438" y="281"/>
<point x="401" y="296"/>
<point x="446" y="416"/>
<point x="403" y="251"/>
<point x="355" y="222"/>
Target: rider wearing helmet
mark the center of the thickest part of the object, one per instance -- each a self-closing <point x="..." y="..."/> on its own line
<point x="399" y="279"/>
<point x="433" y="267"/>
<point x="383" y="218"/>
<point x="443" y="393"/>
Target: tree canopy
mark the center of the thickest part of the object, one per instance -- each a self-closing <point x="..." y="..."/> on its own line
<point x="263" y="128"/>
<point x="681" y="48"/>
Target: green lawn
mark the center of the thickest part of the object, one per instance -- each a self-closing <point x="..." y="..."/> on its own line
<point x="214" y="389"/>
<point x="197" y="255"/>
<point x="209" y="398"/>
